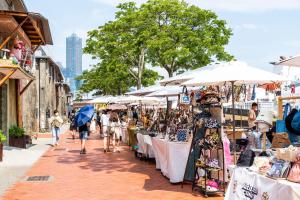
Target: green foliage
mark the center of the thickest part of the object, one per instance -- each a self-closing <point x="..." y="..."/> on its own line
<point x="2" y="137"/>
<point x="184" y="36"/>
<point x="167" y="33"/>
<point x="16" y="131"/>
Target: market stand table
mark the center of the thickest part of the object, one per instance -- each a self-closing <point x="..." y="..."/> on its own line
<point x="171" y="158"/>
<point x="245" y="185"/>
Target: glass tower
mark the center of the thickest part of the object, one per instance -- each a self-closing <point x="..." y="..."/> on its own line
<point x="73" y="60"/>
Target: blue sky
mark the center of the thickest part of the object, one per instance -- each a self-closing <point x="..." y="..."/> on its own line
<point x="263" y="30"/>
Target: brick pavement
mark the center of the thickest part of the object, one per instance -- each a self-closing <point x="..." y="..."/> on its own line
<point x="96" y="176"/>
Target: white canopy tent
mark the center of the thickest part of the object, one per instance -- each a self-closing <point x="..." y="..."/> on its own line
<point x="235" y="73"/>
<point x="291" y="62"/>
<point x="188" y="75"/>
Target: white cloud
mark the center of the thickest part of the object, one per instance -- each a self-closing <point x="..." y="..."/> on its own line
<point x="230" y="5"/>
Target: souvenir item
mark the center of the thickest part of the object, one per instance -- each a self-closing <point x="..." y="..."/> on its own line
<point x="280" y="140"/>
<point x="279" y="169"/>
<point x="212" y="186"/>
<point x="213" y="163"/>
<point x="246" y="158"/>
<point x="184" y="97"/>
<point x="289" y="154"/>
<point x="210" y="98"/>
<point x="182" y="135"/>
<point x="294" y="174"/>
<point x="212" y="123"/>
<point x="260" y="163"/>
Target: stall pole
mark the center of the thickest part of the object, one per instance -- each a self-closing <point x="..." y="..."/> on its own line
<point x="233" y="122"/>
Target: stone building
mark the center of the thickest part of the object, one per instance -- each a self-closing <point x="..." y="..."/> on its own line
<point x="49" y="92"/>
<point x="21" y="33"/>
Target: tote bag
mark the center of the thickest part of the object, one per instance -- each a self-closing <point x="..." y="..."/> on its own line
<point x="280" y="124"/>
<point x="184" y="96"/>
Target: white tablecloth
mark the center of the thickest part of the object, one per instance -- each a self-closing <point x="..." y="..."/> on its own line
<point x="171" y="158"/>
<point x="246" y="185"/>
<point x="145" y="145"/>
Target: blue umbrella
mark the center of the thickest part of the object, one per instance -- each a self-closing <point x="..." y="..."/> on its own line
<point x="84" y="115"/>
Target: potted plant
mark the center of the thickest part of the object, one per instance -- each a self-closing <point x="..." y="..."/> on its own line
<point x="17" y="137"/>
<point x="2" y="140"/>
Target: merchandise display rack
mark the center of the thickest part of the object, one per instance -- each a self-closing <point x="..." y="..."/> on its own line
<point x="200" y="182"/>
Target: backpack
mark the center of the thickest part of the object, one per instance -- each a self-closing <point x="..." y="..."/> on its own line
<point x="295" y="124"/>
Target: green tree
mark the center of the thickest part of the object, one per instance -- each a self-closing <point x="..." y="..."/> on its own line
<point x="184" y="36"/>
<point x="122" y="42"/>
<point x="167" y="33"/>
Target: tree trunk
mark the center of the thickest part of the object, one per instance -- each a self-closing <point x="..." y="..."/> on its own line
<point x="170" y="71"/>
<point x="141" y="68"/>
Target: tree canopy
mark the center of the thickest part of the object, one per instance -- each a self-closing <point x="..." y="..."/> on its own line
<point x="167" y="33"/>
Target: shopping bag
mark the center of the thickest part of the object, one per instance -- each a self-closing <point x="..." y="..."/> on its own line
<point x="280" y="124"/>
<point x="184" y="96"/>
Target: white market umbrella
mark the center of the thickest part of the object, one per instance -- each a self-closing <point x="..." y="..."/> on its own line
<point x="102" y="99"/>
<point x="235" y="73"/>
<point x="188" y="75"/>
<point x="145" y="90"/>
<point x="137" y="99"/>
<point x="291" y="62"/>
<point x="167" y="91"/>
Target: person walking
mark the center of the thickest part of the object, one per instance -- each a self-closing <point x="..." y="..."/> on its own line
<point x="98" y="119"/>
<point x="72" y="125"/>
<point x="55" y="121"/>
<point x="105" y="123"/>
<point x="93" y="125"/>
<point x="115" y="131"/>
<point x="83" y="135"/>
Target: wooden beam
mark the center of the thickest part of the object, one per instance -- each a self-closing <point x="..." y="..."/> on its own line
<point x="26" y="87"/>
<point x="289" y="98"/>
<point x="2" y="81"/>
<point x="37" y="29"/>
<point x="13" y="33"/>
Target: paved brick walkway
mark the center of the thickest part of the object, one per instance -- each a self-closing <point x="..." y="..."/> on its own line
<point x="96" y="176"/>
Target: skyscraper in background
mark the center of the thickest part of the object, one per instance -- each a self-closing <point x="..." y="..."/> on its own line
<point x="73" y="60"/>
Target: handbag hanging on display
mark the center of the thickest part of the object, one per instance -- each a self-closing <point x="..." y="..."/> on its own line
<point x="294" y="174"/>
<point x="184" y="96"/>
<point x="280" y="124"/>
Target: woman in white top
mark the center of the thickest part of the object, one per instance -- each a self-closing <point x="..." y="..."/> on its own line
<point x="55" y="121"/>
<point x="93" y="126"/>
<point x="115" y="131"/>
